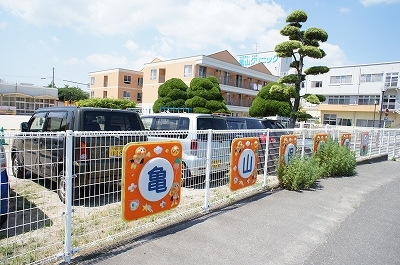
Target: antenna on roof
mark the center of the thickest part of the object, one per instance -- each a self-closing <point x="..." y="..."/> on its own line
<point x="256" y="47"/>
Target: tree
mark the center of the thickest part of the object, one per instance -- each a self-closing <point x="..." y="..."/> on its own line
<point x="71" y="94"/>
<point x="204" y="96"/>
<point x="107" y="103"/>
<point x="273" y="99"/>
<point x="300" y="45"/>
<point x="171" y="94"/>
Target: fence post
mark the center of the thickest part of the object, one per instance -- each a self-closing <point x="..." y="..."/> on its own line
<point x="355" y="139"/>
<point x="380" y="140"/>
<point x="208" y="171"/>
<point x="304" y="142"/>
<point x="388" y="141"/>
<point x="371" y="136"/>
<point x="68" y="198"/>
<point x="266" y="154"/>
<point x="394" y="144"/>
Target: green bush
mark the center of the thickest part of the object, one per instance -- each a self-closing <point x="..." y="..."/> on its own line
<point x="300" y="173"/>
<point x="335" y="160"/>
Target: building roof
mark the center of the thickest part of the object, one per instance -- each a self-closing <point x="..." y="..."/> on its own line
<point x="260" y="67"/>
<point x="225" y="56"/>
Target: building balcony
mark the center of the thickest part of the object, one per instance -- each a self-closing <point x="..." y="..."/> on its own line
<point x="238" y="103"/>
<point x="392" y="106"/>
<point x="245" y="84"/>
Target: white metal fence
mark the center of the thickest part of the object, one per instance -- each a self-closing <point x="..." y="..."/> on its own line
<point x="42" y="229"/>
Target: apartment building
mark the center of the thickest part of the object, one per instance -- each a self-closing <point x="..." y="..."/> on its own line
<point x="357" y="95"/>
<point x="239" y="85"/>
<point x="117" y="83"/>
<point x="24" y="98"/>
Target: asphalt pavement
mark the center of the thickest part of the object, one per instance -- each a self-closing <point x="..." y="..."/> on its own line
<point x="348" y="220"/>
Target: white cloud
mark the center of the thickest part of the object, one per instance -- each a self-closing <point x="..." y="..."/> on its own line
<point x="73" y="61"/>
<point x="344" y="10"/>
<point x="334" y="57"/>
<point x="3" y="25"/>
<point x="194" y="23"/>
<point x="107" y="60"/>
<point x="131" y="45"/>
<point x="378" y="2"/>
<point x="55" y="39"/>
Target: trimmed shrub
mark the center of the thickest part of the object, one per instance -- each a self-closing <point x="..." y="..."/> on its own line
<point x="300" y="173"/>
<point x="335" y="160"/>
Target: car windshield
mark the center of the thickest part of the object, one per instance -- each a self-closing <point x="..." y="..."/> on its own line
<point x="111" y="121"/>
<point x="205" y="123"/>
<point x="270" y="124"/>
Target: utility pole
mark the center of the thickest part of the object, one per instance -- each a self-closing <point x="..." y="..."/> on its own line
<point x="52" y="82"/>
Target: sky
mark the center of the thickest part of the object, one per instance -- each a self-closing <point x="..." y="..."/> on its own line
<point x="77" y="37"/>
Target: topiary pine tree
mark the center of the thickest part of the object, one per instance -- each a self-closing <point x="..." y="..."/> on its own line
<point x="204" y="96"/>
<point x="173" y="93"/>
<point x="300" y="45"/>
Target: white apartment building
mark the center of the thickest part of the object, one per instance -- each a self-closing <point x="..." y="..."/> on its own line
<point x="355" y="95"/>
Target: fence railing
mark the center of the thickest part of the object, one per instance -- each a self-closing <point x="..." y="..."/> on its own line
<point x="42" y="229"/>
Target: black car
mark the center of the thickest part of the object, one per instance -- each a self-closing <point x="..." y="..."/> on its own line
<point x="96" y="157"/>
<point x="273" y="140"/>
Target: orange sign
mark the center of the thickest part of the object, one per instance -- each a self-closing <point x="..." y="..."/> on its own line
<point x="151" y="178"/>
<point x="244" y="161"/>
<point x="318" y="139"/>
<point x="287" y="147"/>
<point x="345" y="139"/>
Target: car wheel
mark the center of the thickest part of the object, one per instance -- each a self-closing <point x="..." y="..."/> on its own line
<point x="62" y="188"/>
<point x="18" y="167"/>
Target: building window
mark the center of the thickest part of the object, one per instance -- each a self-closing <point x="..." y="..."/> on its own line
<point x="341" y="79"/>
<point x="127" y="79"/>
<point x="371" y="78"/>
<point x="153" y="74"/>
<point x="365" y="123"/>
<point x="92" y="80"/>
<point x="343" y="122"/>
<point x="239" y="79"/>
<point x="140" y="81"/>
<point x="105" y="81"/>
<point x="368" y="100"/>
<point x="127" y="95"/>
<point x="139" y="96"/>
<point x="104" y="94"/>
<point x="339" y="100"/>
<point x="391" y="79"/>
<point x="316" y="83"/>
<point x="187" y="71"/>
<point x="330" y="119"/>
<point x="226" y="78"/>
<point x="202" y="71"/>
<point x="91" y="94"/>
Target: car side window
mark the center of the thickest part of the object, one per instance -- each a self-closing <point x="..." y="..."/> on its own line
<point x="37" y="122"/>
<point x="56" y="121"/>
<point x="254" y="124"/>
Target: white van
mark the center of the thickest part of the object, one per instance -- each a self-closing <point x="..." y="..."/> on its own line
<point x="191" y="130"/>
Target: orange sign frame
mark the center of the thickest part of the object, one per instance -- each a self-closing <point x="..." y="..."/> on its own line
<point x="318" y="139"/>
<point x="286" y="140"/>
<point x="244" y="160"/>
<point x="151" y="178"/>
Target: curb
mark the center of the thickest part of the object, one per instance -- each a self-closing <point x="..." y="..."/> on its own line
<point x="371" y="160"/>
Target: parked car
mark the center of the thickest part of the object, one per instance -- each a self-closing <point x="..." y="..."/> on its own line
<point x="96" y="158"/>
<point x="194" y="143"/>
<point x="249" y="124"/>
<point x="4" y="186"/>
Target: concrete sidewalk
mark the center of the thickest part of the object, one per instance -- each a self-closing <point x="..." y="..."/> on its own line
<point x="279" y="227"/>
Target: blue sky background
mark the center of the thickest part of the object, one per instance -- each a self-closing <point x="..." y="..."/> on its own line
<point x="77" y="37"/>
